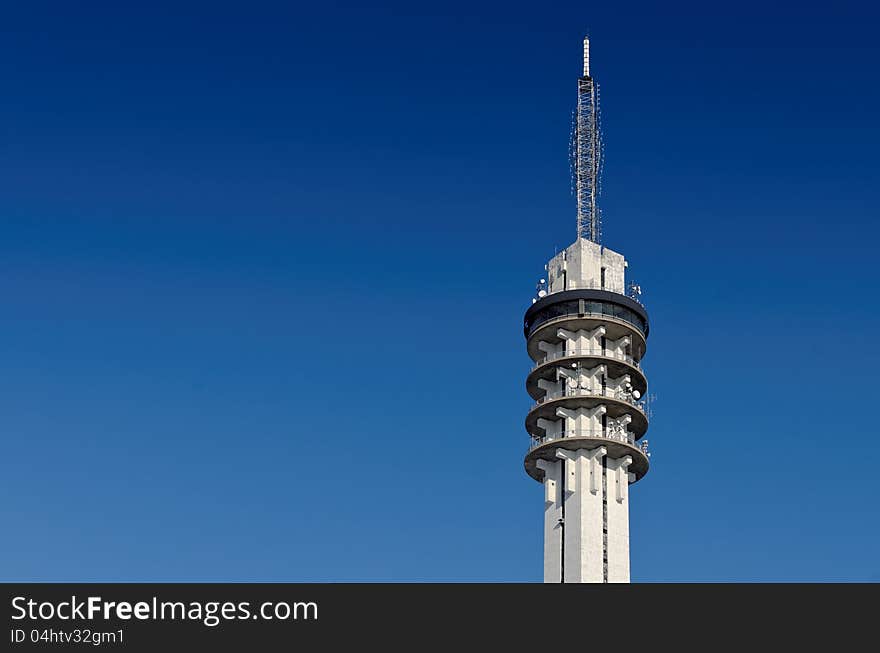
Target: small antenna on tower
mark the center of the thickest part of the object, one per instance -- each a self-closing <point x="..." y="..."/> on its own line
<point x="586" y="56"/>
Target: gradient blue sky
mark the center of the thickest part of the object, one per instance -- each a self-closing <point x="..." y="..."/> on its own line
<point x="263" y="269"/>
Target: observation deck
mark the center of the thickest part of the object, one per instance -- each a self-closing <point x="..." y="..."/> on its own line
<point x="586" y="340"/>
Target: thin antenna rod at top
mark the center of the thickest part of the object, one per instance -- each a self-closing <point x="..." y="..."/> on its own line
<point x="586" y="56"/>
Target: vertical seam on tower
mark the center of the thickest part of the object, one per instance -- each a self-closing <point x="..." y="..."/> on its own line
<point x="604" y="519"/>
<point x="561" y="490"/>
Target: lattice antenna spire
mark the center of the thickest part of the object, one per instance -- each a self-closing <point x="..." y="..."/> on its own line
<point x="587" y="153"/>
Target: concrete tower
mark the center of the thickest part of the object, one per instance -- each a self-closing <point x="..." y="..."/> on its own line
<point x="586" y="337"/>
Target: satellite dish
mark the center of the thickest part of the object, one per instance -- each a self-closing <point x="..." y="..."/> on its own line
<point x="542" y="293"/>
<point x="543" y="281"/>
<point x="636" y="394"/>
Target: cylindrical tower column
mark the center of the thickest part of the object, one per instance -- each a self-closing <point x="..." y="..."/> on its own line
<point x="586" y="339"/>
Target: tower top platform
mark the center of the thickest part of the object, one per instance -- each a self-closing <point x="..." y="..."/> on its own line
<point x="585" y="264"/>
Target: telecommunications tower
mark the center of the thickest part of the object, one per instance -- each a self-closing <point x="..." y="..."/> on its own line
<point x="586" y="335"/>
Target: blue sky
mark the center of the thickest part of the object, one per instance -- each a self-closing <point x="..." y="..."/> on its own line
<point x="263" y="269"/>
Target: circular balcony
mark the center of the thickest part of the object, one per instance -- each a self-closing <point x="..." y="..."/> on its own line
<point x="617" y="404"/>
<point x="617" y="365"/>
<point x="617" y="444"/>
<point x="615" y="328"/>
<point x="599" y="303"/>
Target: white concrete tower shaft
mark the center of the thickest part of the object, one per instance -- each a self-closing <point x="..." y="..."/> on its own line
<point x="586" y="338"/>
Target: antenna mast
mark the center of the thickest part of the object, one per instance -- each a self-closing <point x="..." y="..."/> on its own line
<point x="587" y="154"/>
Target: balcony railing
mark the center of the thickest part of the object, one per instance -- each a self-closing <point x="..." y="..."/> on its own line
<point x="625" y="437"/>
<point x="589" y="351"/>
<point x="591" y="284"/>
<point x="579" y="391"/>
